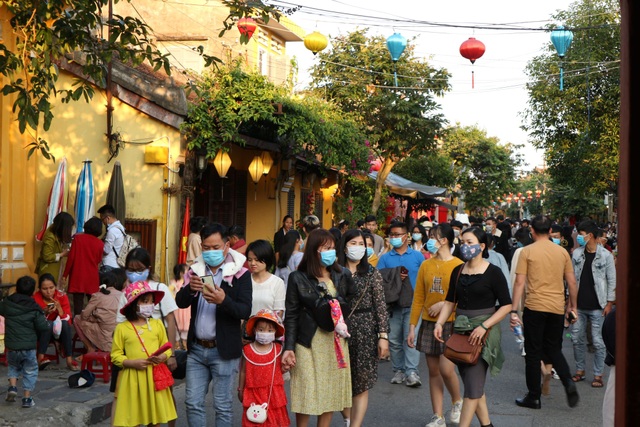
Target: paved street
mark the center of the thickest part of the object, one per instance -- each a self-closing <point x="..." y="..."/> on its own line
<point x="401" y="406"/>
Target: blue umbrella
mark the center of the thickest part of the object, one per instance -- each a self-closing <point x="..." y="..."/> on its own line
<point x="85" y="207"/>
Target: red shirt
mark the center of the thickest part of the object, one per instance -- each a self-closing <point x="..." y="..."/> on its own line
<point x="64" y="302"/>
<point x="82" y="264"/>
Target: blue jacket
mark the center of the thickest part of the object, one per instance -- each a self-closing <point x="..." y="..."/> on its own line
<point x="604" y="272"/>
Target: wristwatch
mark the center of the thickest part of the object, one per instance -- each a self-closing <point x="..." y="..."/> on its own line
<point x="513" y="312"/>
<point x="383" y="336"/>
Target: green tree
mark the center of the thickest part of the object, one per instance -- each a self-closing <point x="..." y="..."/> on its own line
<point x="358" y="75"/>
<point x="435" y="168"/>
<point x="578" y="127"/>
<point x="484" y="167"/>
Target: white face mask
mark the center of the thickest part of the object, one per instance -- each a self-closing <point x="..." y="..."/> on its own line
<point x="265" y="337"/>
<point x="355" y="253"/>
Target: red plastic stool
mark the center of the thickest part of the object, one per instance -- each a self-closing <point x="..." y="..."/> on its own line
<point x="101" y="357"/>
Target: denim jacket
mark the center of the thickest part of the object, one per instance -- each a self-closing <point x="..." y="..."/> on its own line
<point x="604" y="273"/>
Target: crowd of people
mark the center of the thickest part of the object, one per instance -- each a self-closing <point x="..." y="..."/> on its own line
<point x="320" y="308"/>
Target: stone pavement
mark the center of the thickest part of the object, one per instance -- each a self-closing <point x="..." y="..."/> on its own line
<point x="56" y="403"/>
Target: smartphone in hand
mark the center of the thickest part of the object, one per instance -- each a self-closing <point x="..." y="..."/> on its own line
<point x="208" y="282"/>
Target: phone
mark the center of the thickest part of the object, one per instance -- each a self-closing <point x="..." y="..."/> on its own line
<point x="208" y="282"/>
<point x="403" y="270"/>
<point x="571" y="316"/>
<point x="51" y="305"/>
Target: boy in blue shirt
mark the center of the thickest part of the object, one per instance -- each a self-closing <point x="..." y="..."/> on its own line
<point x="24" y="319"/>
<point x="404" y="359"/>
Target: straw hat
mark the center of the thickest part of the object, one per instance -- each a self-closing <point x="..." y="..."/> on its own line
<point x="137" y="289"/>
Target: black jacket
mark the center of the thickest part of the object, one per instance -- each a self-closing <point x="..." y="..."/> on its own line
<point x="235" y="307"/>
<point x="24" y="320"/>
<point x="300" y="326"/>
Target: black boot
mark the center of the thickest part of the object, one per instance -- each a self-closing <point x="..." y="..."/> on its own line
<point x="572" y="394"/>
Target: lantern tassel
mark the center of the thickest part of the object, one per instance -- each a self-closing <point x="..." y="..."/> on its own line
<point x="395" y="75"/>
<point x="561" y="78"/>
<point x="472" y="80"/>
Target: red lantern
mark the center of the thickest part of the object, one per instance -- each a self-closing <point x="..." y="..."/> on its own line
<point x="472" y="49"/>
<point x="247" y="26"/>
<point x="538" y="194"/>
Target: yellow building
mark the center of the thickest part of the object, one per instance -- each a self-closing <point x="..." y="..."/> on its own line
<point x="148" y="110"/>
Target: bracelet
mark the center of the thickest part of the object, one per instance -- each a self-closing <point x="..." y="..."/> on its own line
<point x="513" y="312"/>
<point x="484" y="327"/>
<point x="383" y="338"/>
<point x="440" y="324"/>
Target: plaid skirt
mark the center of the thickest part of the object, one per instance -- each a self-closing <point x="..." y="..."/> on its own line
<point x="427" y="343"/>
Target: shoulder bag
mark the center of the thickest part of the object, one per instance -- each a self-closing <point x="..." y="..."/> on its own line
<point x="457" y="348"/>
<point x="162" y="377"/>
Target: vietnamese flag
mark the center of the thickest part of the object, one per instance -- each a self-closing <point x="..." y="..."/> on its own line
<point x="184" y="235"/>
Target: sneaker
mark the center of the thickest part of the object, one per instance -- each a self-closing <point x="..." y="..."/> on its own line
<point x="11" y="394"/>
<point x="436" y="421"/>
<point x="27" y="402"/>
<point x="454" y="416"/>
<point x="347" y="422"/>
<point x="413" y="380"/>
<point x="398" y="378"/>
<point x="554" y="374"/>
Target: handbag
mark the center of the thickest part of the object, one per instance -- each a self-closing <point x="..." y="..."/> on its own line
<point x="258" y="413"/>
<point x="321" y="311"/>
<point x="162" y="377"/>
<point x="457" y="348"/>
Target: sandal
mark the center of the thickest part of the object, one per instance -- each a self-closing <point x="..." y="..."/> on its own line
<point x="597" y="382"/>
<point x="43" y="365"/>
<point x="578" y="377"/>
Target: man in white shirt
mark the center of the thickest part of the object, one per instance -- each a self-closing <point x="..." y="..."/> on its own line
<point x="114" y="238"/>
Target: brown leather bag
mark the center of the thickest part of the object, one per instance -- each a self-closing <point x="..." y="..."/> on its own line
<point x="458" y="349"/>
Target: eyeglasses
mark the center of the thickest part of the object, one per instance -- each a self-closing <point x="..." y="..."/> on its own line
<point x="397" y="235"/>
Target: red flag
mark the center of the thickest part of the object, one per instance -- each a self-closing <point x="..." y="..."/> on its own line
<point x="184" y="235"/>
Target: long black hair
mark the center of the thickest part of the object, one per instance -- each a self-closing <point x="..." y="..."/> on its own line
<point x="288" y="245"/>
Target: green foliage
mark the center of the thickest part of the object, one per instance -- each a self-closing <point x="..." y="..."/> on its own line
<point x="578" y="127"/>
<point x="434" y="169"/>
<point x="353" y="200"/>
<point x="483" y="167"/>
<point x="230" y="102"/>
<point x="48" y="31"/>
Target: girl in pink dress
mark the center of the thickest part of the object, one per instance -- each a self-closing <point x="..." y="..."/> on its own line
<point x="261" y="384"/>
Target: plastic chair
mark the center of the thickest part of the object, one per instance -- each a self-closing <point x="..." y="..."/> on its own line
<point x="89" y="361"/>
<point x="74" y="345"/>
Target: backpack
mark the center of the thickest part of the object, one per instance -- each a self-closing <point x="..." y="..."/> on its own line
<point x="128" y="244"/>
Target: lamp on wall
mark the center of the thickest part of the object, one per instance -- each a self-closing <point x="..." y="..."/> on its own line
<point x="255" y="170"/>
<point x="267" y="162"/>
<point x="201" y="161"/>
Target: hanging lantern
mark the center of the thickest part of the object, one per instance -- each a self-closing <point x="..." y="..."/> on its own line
<point x="561" y="40"/>
<point x="315" y="42"/>
<point x="222" y="162"/>
<point x="472" y="49"/>
<point x="538" y="194"/>
<point x="255" y="170"/>
<point x="267" y="162"/>
<point x="396" y="43"/>
<point x="247" y="27"/>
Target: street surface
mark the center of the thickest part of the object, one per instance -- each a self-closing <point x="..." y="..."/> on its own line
<point x="401" y="406"/>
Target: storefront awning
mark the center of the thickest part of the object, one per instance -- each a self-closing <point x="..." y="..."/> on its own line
<point x="406" y="188"/>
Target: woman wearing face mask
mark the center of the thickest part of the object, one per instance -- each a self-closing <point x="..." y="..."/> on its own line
<point x="418" y="237"/>
<point x="475" y="287"/>
<point x="318" y="386"/>
<point x="290" y="256"/>
<point x="137" y="268"/>
<point x="134" y="342"/>
<point x="368" y="323"/>
<point x="432" y="286"/>
<point x="371" y="255"/>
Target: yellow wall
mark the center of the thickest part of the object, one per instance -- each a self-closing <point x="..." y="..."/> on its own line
<point x="78" y="133"/>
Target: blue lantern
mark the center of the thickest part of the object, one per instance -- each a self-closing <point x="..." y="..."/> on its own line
<point x="561" y="40"/>
<point x="396" y="43"/>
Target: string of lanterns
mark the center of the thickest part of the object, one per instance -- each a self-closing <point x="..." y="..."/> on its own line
<point x="519" y="197"/>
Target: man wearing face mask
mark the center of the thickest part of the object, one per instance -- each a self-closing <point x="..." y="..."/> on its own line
<point x="113" y="240"/>
<point x="403" y="358"/>
<point x="543" y="266"/>
<point x="218" y="289"/>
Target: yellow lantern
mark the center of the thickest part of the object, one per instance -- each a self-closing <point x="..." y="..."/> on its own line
<point x="267" y="162"/>
<point x="255" y="170"/>
<point x="315" y="42"/>
<point x="222" y="162"/>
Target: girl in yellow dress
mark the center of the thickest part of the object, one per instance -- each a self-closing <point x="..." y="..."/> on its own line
<point x="137" y="400"/>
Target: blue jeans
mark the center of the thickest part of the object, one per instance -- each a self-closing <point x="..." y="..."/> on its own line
<point x="204" y="365"/>
<point x="579" y="338"/>
<point x="403" y="358"/>
<point x="23" y="362"/>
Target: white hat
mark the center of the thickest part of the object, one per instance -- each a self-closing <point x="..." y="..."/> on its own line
<point x="463" y="218"/>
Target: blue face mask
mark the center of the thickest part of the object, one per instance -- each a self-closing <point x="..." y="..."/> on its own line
<point x="416" y="237"/>
<point x="520" y="244"/>
<point x="555" y="240"/>
<point x="213" y="258"/>
<point x="581" y="240"/>
<point x="396" y="242"/>
<point x="469" y="252"/>
<point x="327" y="258"/>
<point x="369" y="252"/>
<point x="301" y="245"/>
<point x="431" y="246"/>
<point x="134" y="276"/>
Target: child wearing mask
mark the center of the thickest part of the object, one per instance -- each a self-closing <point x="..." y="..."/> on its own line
<point x="260" y="380"/>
